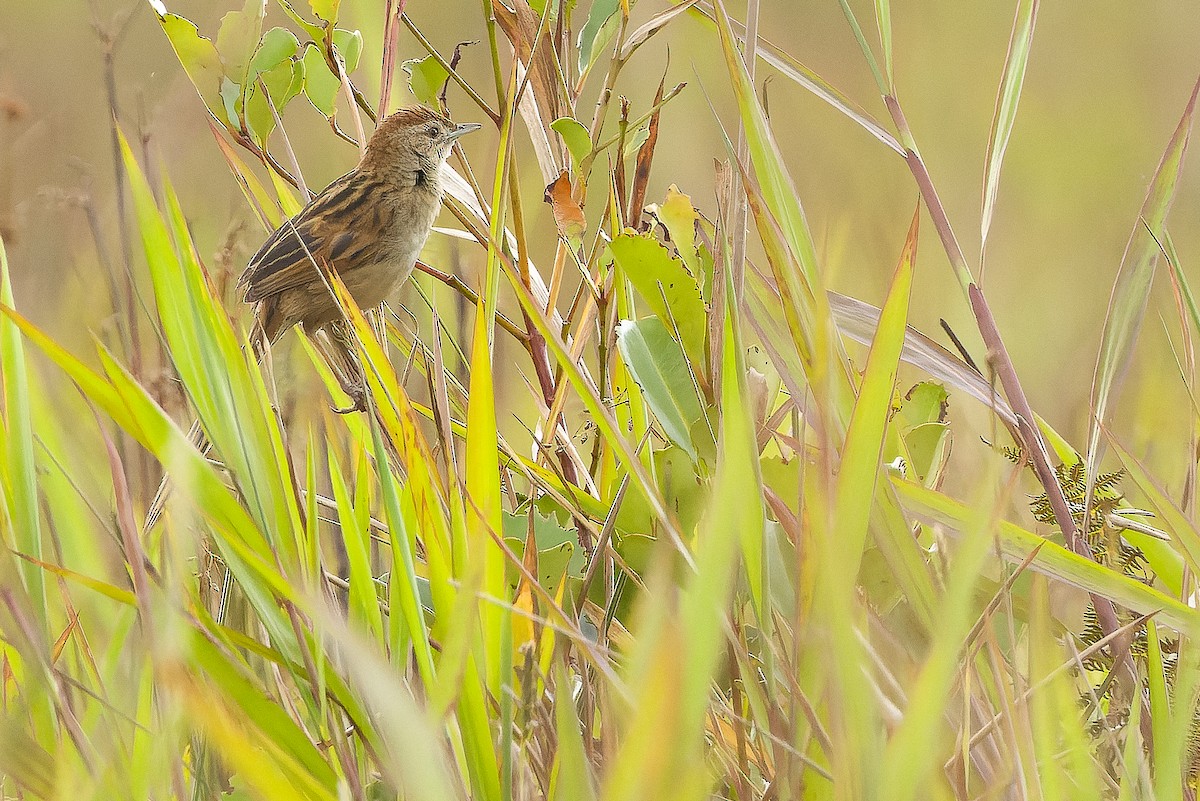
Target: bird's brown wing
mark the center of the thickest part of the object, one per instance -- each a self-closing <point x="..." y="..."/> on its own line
<point x="335" y="228"/>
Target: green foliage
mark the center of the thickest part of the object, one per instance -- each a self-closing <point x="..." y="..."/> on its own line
<point x="725" y="555"/>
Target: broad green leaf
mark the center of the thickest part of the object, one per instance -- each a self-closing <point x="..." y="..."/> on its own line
<point x="1127" y="305"/>
<point x="237" y="39"/>
<point x="277" y="46"/>
<point x="665" y="285"/>
<point x="231" y="98"/>
<point x="349" y="46"/>
<point x="1019" y="44"/>
<point x="635" y="139"/>
<point x="321" y="86"/>
<point x="596" y="33"/>
<point x="657" y="364"/>
<point x="426" y="76"/>
<point x="575" y="136"/>
<point x="925" y="430"/>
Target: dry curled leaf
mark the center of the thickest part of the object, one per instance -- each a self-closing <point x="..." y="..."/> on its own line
<point x="568" y="215"/>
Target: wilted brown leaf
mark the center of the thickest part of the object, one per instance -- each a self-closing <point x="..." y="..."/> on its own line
<point x="568" y="215"/>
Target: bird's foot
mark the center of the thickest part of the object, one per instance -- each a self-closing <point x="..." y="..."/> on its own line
<point x="358" y="403"/>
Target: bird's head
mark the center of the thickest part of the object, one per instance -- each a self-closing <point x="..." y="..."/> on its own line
<point x="416" y="138"/>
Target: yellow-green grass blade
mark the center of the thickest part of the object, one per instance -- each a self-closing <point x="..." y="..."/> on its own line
<point x="1052" y="559"/>
<point x="810" y="80"/>
<point x="1065" y="766"/>
<point x="261" y="202"/>
<point x="232" y="402"/>
<point x="918" y="747"/>
<point x="483" y="507"/>
<point x="1184" y="547"/>
<point x="777" y="188"/>
<point x="259" y="711"/>
<point x="1130" y="293"/>
<point x="1009" y="96"/>
<point x="395" y="412"/>
<point x="735" y="518"/>
<point x="881" y="81"/>
<point x="883" y="20"/>
<point x="1172" y="739"/>
<point x="19" y="490"/>
<point x="407" y="625"/>
<point x="356" y="538"/>
<point x="572" y="775"/>
<point x="861" y="454"/>
<point x="434" y="513"/>
<point x="264" y="471"/>
<point x="241" y="544"/>
<point x="841" y="537"/>
<point x="1166" y="759"/>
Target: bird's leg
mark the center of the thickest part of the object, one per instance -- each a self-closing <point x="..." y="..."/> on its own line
<point x="338" y="349"/>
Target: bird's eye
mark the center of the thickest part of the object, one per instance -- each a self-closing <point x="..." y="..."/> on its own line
<point x="432" y="130"/>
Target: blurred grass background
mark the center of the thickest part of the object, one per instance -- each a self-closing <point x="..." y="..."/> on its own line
<point x="1103" y="91"/>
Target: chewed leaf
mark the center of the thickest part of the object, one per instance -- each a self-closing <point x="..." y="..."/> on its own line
<point x="679" y="216"/>
<point x="283" y="83"/>
<point x="668" y="289"/>
<point x="425" y="78"/>
<point x="327" y="10"/>
<point x="200" y="60"/>
<point x="238" y="38"/>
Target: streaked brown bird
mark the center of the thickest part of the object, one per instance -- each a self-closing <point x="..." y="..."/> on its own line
<point x="368" y="227"/>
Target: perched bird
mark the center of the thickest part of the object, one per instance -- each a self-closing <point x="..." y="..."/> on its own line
<point x="368" y="227"/>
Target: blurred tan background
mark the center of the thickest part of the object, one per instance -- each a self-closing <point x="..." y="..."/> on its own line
<point x="1106" y="85"/>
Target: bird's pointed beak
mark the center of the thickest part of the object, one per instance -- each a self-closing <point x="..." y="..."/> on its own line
<point x="462" y="130"/>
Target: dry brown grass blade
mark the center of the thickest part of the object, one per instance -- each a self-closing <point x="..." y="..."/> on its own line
<point x="641" y="172"/>
<point x="535" y="50"/>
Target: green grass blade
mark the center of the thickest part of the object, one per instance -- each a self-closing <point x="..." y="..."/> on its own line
<point x="1005" y="115"/>
<point x="19" y="471"/>
<point x="1131" y="291"/>
<point x="1052" y="559"/>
